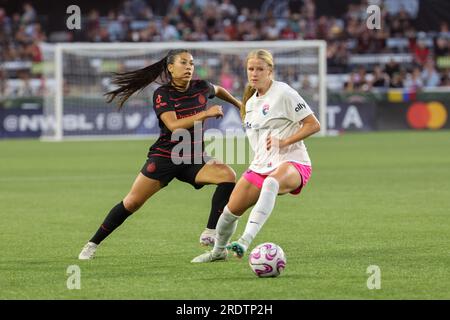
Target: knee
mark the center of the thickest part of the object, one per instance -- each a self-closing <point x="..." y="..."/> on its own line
<point x="132" y="203"/>
<point x="235" y="209"/>
<point x="271" y="183"/>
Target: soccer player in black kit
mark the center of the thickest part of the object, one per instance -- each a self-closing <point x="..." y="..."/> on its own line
<point x="179" y="104"/>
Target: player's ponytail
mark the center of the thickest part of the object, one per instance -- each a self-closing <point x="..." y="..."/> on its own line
<point x="132" y="81"/>
<point x="248" y="92"/>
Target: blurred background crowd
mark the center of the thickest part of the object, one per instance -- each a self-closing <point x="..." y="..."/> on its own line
<point x="411" y="49"/>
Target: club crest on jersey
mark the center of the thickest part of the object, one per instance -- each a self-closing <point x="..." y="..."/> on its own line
<point x="201" y="99"/>
<point x="151" y="167"/>
<point x="265" y="109"/>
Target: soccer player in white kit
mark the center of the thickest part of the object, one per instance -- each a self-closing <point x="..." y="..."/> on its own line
<point x="277" y="120"/>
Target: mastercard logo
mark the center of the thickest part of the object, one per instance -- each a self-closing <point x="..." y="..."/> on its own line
<point x="431" y="115"/>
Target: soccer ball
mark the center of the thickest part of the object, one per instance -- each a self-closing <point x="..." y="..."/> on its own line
<point x="267" y="260"/>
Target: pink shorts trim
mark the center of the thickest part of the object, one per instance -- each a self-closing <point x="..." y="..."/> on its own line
<point x="257" y="179"/>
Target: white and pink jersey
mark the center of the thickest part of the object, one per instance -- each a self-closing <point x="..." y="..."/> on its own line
<point x="278" y="112"/>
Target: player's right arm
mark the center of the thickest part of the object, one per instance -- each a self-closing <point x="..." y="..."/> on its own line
<point x="166" y="112"/>
<point x="172" y="123"/>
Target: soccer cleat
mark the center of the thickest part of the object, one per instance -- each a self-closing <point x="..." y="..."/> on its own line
<point x="238" y="248"/>
<point x="207" y="237"/>
<point x="210" y="256"/>
<point x="88" y="251"/>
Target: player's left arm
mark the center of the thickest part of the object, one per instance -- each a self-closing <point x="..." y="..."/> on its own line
<point x="297" y="110"/>
<point x="310" y="125"/>
<point x="224" y="95"/>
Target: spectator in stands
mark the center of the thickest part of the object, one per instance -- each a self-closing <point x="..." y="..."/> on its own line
<point x="420" y="51"/>
<point x="365" y="42"/>
<point x="3" y="83"/>
<point x="441" y="46"/>
<point x="396" y="80"/>
<point x="199" y="32"/>
<point x="379" y="79"/>
<point x="116" y="31"/>
<point x="25" y="89"/>
<point x="362" y="78"/>
<point x="271" y="30"/>
<point x="414" y="80"/>
<point x="34" y="52"/>
<point x="29" y="14"/>
<point x="392" y="67"/>
<point x="349" y="85"/>
<point x="336" y="28"/>
<point x="445" y="78"/>
<point x="287" y="33"/>
<point x="168" y="31"/>
<point x="140" y="10"/>
<point x="5" y="25"/>
<point x="93" y="25"/>
<point x="227" y="9"/>
<point x="444" y="30"/>
<point x="322" y="28"/>
<point x="430" y="76"/>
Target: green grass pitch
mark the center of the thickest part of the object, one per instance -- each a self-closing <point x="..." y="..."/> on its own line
<point x="374" y="199"/>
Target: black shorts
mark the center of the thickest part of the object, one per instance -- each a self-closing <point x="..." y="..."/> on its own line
<point x="164" y="170"/>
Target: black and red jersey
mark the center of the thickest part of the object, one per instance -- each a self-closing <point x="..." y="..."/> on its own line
<point x="185" y="104"/>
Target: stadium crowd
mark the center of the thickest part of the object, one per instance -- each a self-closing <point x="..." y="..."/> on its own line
<point x="211" y="20"/>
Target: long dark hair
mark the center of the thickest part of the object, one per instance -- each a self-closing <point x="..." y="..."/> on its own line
<point x="132" y="81"/>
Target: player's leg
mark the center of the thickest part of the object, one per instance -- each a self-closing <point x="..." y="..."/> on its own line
<point x="213" y="172"/>
<point x="142" y="189"/>
<point x="288" y="177"/>
<point x="155" y="174"/>
<point x="282" y="180"/>
<point x="244" y="195"/>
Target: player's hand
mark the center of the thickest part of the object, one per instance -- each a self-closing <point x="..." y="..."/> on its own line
<point x="214" y="111"/>
<point x="272" y="142"/>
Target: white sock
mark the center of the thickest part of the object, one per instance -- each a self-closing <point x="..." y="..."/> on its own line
<point x="225" y="228"/>
<point x="261" y="211"/>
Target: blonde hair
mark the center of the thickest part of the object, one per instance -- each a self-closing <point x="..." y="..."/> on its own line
<point x="267" y="57"/>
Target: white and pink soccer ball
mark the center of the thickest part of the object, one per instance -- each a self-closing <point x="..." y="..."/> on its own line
<point x="267" y="260"/>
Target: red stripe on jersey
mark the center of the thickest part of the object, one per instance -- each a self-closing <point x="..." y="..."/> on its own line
<point x="159" y="155"/>
<point x="166" y="156"/>
<point x="167" y="140"/>
<point x="185" y="97"/>
<point x="159" y="149"/>
<point x="181" y="116"/>
<point x="199" y="106"/>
